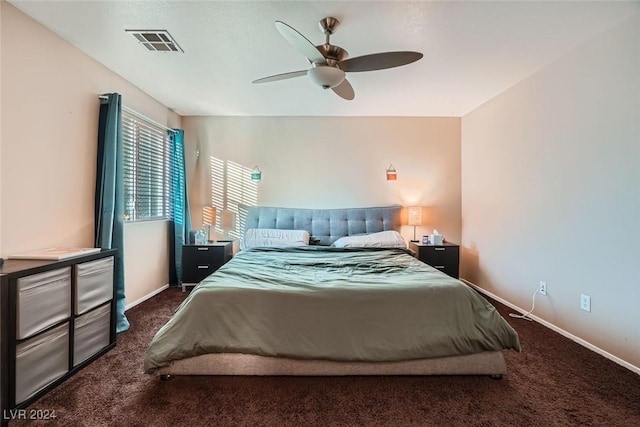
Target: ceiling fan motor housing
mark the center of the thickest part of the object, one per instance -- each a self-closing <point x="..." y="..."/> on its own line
<point x="332" y="53"/>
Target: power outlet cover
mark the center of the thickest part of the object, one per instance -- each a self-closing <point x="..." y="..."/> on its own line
<point x="585" y="302"/>
<point x="543" y="288"/>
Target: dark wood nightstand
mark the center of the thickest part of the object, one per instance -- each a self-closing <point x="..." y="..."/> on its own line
<point x="444" y="257"/>
<point x="199" y="261"/>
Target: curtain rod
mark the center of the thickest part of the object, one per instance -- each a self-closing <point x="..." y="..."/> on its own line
<point x="140" y="116"/>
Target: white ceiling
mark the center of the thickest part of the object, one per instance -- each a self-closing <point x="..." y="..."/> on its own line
<point x="472" y="50"/>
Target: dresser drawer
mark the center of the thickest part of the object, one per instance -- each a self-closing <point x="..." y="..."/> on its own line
<point x="195" y="272"/>
<point x="202" y="255"/>
<point x="439" y="255"/>
<point x="41" y="360"/>
<point x="450" y="269"/>
<point x="43" y="300"/>
<point x="91" y="333"/>
<point x="94" y="284"/>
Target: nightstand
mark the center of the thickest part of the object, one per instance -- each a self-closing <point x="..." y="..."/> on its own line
<point x="444" y="257"/>
<point x="199" y="261"/>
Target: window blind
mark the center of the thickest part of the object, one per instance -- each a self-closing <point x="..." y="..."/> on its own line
<point x="146" y="170"/>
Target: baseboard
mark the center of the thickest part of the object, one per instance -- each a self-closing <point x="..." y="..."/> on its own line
<point x="146" y="297"/>
<point x="555" y="328"/>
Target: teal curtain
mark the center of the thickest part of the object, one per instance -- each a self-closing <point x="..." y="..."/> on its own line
<point x="109" y="197"/>
<point x="180" y="213"/>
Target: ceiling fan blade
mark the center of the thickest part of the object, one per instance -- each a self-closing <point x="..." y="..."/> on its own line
<point x="300" y="42"/>
<point x="282" y="76"/>
<point x="378" y="61"/>
<point x="344" y="90"/>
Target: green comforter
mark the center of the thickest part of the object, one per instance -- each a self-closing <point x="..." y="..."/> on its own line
<point x="327" y="303"/>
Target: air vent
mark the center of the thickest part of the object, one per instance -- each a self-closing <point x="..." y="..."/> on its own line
<point x="156" y="40"/>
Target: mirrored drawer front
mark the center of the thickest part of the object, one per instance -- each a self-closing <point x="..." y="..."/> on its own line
<point x="41" y="360"/>
<point x="43" y="300"/>
<point x="94" y="284"/>
<point x="91" y="333"/>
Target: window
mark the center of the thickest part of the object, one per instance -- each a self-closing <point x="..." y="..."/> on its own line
<point x="146" y="169"/>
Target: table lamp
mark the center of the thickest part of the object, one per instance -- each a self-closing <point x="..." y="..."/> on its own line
<point x="415" y="219"/>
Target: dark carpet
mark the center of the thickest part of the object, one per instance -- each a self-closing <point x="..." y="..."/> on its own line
<point x="553" y="382"/>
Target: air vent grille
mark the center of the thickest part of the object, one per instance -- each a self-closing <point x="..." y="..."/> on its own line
<point x="156" y="40"/>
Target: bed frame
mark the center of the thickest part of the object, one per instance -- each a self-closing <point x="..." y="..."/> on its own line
<point x="487" y="363"/>
<point x="326" y="226"/>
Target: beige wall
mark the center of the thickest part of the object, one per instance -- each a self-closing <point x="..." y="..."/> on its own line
<point x="551" y="192"/>
<point x="48" y="149"/>
<point x="326" y="162"/>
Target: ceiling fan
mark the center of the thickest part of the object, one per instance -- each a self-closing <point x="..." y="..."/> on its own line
<point x="330" y="63"/>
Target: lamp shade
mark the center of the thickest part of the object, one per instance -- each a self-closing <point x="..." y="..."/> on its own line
<point x="414" y="215"/>
<point x="227" y="220"/>
<point x="326" y="76"/>
<point x="208" y="215"/>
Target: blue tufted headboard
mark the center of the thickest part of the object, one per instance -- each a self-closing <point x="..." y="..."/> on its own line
<point x="325" y="225"/>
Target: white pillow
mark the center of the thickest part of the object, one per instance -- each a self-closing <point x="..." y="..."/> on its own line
<point x="382" y="239"/>
<point x="256" y="237"/>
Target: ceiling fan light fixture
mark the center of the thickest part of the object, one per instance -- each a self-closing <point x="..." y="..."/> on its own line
<point x="330" y="63"/>
<point x="326" y="76"/>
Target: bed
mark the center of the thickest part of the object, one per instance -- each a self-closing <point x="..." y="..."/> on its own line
<point x="328" y="308"/>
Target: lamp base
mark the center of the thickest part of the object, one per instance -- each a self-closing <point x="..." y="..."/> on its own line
<point x="414" y="241"/>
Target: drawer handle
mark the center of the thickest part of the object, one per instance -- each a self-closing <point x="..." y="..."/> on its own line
<point x="203" y="266"/>
<point x="439" y="266"/>
<point x="439" y="249"/>
<point x="203" y="248"/>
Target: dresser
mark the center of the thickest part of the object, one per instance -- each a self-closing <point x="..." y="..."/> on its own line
<point x="444" y="257"/>
<point x="199" y="261"/>
<point x="56" y="317"/>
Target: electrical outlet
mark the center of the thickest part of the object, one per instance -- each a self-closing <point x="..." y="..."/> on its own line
<point x="543" y="288"/>
<point x="585" y="302"/>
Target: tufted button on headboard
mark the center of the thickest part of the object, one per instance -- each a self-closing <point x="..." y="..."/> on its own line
<point x="324" y="225"/>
